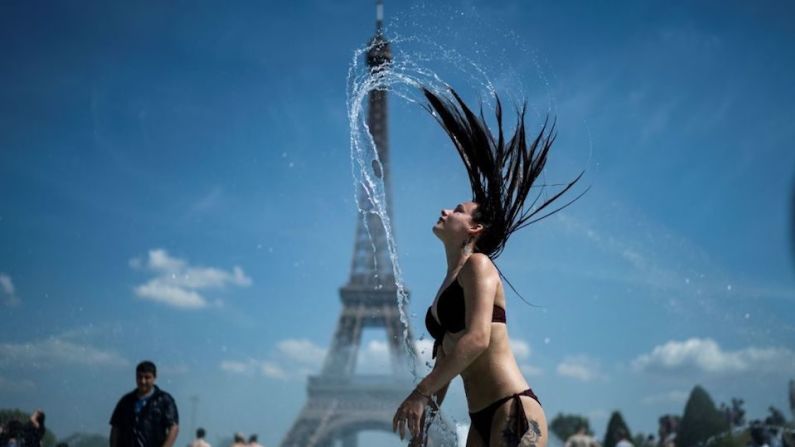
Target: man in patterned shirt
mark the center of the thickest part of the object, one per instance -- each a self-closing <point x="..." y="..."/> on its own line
<point x="146" y="416"/>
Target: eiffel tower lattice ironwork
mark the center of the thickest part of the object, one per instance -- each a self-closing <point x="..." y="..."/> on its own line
<point x="342" y="403"/>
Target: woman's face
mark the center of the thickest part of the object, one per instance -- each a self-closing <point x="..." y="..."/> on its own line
<point x="457" y="224"/>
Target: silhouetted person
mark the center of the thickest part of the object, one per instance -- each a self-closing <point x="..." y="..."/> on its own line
<point x="253" y="442"/>
<point x="199" y="441"/>
<point x="146" y="416"/>
<point x="33" y="431"/>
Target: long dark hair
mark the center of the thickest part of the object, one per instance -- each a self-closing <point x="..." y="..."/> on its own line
<point x="501" y="172"/>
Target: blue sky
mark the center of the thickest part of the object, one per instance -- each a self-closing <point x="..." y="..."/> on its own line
<point x="176" y="185"/>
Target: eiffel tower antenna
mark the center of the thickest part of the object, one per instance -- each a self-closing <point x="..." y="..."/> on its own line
<point x="340" y="402"/>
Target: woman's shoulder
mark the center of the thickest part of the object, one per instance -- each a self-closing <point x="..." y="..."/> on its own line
<point x="478" y="266"/>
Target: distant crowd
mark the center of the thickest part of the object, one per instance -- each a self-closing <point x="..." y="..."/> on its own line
<point x="29" y="433"/>
<point x="239" y="440"/>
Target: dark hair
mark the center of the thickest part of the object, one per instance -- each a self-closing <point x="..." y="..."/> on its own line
<point x="200" y="432"/>
<point x="501" y="172"/>
<point x="239" y="437"/>
<point x="40" y="418"/>
<point x="252" y="438"/>
<point x="13" y="429"/>
<point x="146" y="367"/>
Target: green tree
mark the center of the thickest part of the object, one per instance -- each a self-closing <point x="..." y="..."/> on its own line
<point x="776" y="417"/>
<point x="565" y="425"/>
<point x="701" y="419"/>
<point x="639" y="440"/>
<point x="8" y="414"/>
<point x="614" y="426"/>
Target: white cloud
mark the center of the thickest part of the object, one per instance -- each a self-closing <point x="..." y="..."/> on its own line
<point x="520" y="348"/>
<point x="236" y="367"/>
<point x="250" y="367"/>
<point x="580" y="367"/>
<point x="156" y="290"/>
<point x="374" y="358"/>
<point x="302" y="351"/>
<point x="530" y="370"/>
<point x="9" y="296"/>
<point x="706" y="356"/>
<point x="272" y="370"/>
<point x="178" y="284"/>
<point x="293" y="359"/>
<point x="56" y="351"/>
<point x="672" y="397"/>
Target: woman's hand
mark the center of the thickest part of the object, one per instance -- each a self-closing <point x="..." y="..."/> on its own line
<point x="410" y="415"/>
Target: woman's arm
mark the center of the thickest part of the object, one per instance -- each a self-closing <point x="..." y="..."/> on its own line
<point x="479" y="280"/>
<point x="439" y="395"/>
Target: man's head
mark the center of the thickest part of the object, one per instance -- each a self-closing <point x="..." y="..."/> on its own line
<point x="239" y="438"/>
<point x="145" y="376"/>
<point x="200" y="433"/>
<point x="252" y="439"/>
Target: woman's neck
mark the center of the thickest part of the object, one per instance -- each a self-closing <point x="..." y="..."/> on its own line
<point x="457" y="256"/>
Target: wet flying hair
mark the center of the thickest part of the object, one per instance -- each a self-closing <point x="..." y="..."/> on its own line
<point x="501" y="172"/>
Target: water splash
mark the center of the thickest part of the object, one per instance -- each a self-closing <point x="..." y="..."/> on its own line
<point x="403" y="78"/>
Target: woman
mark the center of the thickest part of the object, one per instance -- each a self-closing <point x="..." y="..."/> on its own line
<point x="467" y="317"/>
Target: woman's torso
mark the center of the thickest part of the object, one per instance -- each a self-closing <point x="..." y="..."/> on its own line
<point x="494" y="373"/>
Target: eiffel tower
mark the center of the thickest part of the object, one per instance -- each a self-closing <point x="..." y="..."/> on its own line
<point x="342" y="403"/>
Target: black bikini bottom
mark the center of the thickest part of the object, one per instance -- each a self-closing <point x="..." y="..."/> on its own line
<point x="481" y="420"/>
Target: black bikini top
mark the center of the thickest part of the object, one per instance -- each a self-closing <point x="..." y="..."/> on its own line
<point x="450" y="309"/>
